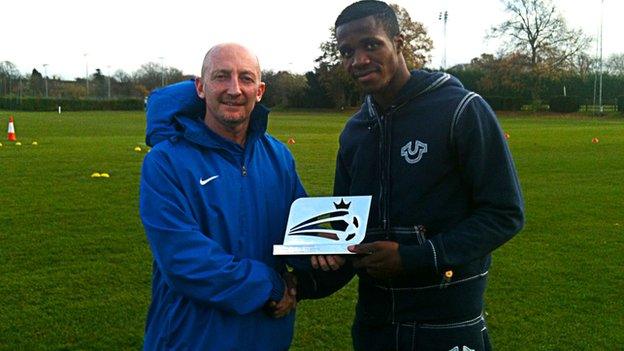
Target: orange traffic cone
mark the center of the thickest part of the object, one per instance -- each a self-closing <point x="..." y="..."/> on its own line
<point x="11" y="130"/>
<point x="291" y="141"/>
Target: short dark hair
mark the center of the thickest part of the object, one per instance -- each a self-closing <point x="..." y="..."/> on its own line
<point x="382" y="12"/>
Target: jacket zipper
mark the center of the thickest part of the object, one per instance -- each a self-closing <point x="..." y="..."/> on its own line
<point x="245" y="157"/>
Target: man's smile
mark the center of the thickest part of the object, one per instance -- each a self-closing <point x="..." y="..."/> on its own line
<point x="365" y="74"/>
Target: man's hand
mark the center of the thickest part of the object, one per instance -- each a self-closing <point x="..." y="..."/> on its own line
<point x="380" y="259"/>
<point x="288" y="301"/>
<point x="327" y="262"/>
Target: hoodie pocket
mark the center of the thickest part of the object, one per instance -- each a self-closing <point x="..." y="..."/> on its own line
<point x="414" y="235"/>
<point x="468" y="335"/>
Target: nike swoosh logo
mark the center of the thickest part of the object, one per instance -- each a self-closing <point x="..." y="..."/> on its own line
<point x="206" y="181"/>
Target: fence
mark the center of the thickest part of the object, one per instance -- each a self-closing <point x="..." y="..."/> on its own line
<point x="52" y="104"/>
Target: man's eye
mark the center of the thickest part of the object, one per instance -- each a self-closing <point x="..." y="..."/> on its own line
<point x="372" y="46"/>
<point x="346" y="53"/>
<point x="247" y="79"/>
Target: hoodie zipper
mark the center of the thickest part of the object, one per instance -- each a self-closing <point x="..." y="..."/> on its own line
<point x="386" y="196"/>
<point x="384" y="185"/>
<point x="383" y="174"/>
<point x="385" y="127"/>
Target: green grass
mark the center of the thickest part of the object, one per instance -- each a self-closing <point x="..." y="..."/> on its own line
<point x="75" y="266"/>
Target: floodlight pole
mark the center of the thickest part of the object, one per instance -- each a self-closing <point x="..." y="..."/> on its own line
<point x="600" y="79"/>
<point x="162" y="71"/>
<point x="108" y="81"/>
<point x="443" y="16"/>
<point x="45" y="72"/>
<point x="87" y="72"/>
<point x="595" y="79"/>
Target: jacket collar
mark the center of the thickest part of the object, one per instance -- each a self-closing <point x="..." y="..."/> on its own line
<point x="196" y="131"/>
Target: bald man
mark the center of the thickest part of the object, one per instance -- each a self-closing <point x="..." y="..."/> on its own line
<point x="214" y="199"/>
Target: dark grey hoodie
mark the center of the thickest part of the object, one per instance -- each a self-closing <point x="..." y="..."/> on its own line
<point x="444" y="187"/>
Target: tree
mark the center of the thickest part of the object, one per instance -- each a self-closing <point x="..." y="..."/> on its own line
<point x="121" y="84"/>
<point x="8" y="69"/>
<point x="74" y="90"/>
<point x="149" y="75"/>
<point x="9" y="75"/>
<point x="584" y="65"/>
<point x="418" y="44"/>
<point x="36" y="83"/>
<point x="505" y="75"/>
<point x="152" y="75"/>
<point x="537" y="30"/>
<point x="173" y="75"/>
<point x="315" y="95"/>
<point x="99" y="82"/>
<point x="339" y="86"/>
<point x="282" y="88"/>
<point x="615" y="64"/>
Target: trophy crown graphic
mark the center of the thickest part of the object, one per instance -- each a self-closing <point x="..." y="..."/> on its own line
<point x="342" y="205"/>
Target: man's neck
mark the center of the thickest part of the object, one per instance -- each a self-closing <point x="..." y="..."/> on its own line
<point x="385" y="97"/>
<point x="236" y="133"/>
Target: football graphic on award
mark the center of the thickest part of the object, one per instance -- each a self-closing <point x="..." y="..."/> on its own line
<point x="325" y="225"/>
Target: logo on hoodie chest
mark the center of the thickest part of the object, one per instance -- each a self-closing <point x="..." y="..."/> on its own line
<point x="413" y="151"/>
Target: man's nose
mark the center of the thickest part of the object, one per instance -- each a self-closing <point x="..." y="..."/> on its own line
<point x="360" y="58"/>
<point x="234" y="87"/>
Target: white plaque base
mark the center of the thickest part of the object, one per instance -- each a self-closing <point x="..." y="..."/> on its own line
<point x="325" y="249"/>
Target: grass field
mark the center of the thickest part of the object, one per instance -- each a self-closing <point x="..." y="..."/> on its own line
<point x="75" y="266"/>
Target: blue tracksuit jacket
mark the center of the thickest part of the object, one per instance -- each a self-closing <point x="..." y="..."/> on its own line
<point x="212" y="211"/>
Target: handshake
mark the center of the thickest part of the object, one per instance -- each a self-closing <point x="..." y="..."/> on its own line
<point x="379" y="259"/>
<point x="279" y="309"/>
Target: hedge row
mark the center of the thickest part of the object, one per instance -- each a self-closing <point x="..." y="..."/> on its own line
<point x="561" y="104"/>
<point x="501" y="103"/>
<point x="564" y="104"/>
<point x="52" y="104"/>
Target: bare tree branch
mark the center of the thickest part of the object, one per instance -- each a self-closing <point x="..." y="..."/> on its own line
<point x="536" y="29"/>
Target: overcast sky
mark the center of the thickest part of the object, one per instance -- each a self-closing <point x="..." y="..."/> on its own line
<point x="123" y="34"/>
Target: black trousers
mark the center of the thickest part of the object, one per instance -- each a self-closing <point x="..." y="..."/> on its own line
<point x="465" y="335"/>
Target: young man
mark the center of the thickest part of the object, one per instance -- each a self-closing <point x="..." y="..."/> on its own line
<point x="215" y="194"/>
<point x="445" y="194"/>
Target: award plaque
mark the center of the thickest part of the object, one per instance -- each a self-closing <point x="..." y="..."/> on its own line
<point x="325" y="225"/>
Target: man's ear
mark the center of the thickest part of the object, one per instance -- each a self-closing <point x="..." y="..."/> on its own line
<point x="260" y="92"/>
<point x="399" y="42"/>
<point x="199" y="88"/>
